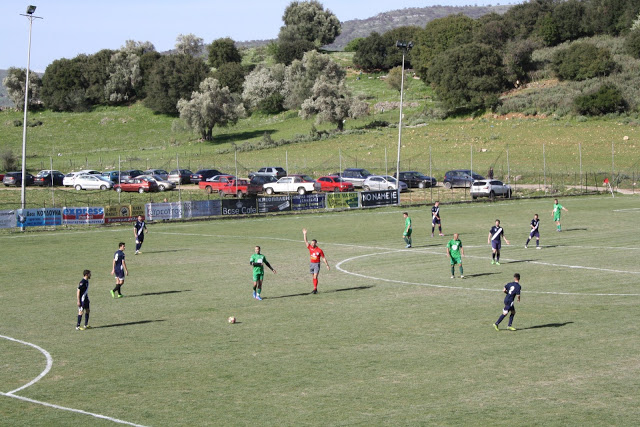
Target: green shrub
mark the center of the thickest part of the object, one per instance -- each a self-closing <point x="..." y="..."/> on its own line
<point x="607" y="99"/>
<point x="632" y="43"/>
<point x="272" y="104"/>
<point x="582" y="61"/>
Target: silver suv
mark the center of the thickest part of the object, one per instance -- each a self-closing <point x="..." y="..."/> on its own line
<point x="276" y="172"/>
<point x="489" y="188"/>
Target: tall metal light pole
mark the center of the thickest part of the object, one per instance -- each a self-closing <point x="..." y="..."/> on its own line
<point x="23" y="197"/>
<point x="405" y="48"/>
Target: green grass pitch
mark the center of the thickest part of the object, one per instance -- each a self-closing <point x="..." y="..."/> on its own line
<point x="390" y="339"/>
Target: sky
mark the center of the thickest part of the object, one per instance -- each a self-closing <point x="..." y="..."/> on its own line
<point x="72" y="27"/>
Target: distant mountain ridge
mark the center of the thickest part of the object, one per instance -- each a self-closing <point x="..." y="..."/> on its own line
<point x="383" y="22"/>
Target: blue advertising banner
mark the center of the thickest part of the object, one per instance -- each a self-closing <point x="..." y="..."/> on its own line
<point x="199" y="208"/>
<point x="83" y="215"/>
<point x="308" y="201"/>
<point x="379" y="198"/>
<point x="158" y="211"/>
<point x="239" y="207"/>
<point x="274" y="204"/>
<point x="39" y="217"/>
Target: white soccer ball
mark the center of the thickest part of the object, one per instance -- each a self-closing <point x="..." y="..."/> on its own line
<point x="232" y="319"/>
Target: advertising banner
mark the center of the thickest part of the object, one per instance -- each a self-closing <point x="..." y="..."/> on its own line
<point x="83" y="215"/>
<point x="158" y="211"/>
<point x="274" y="204"/>
<point x="7" y="219"/>
<point x="122" y="213"/>
<point x="199" y="208"/>
<point x="308" y="201"/>
<point x="379" y="198"/>
<point x="342" y="200"/>
<point x="39" y="217"/>
<point x="239" y="207"/>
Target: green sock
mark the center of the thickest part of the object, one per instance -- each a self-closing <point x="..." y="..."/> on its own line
<point x="258" y="291"/>
<point x="461" y="273"/>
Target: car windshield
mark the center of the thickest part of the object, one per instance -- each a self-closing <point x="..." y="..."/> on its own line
<point x="389" y="178"/>
<point x="43" y="173"/>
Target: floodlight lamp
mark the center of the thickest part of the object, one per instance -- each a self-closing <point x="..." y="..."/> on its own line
<point x="31" y="9"/>
<point x="410" y="45"/>
<point x="399" y="44"/>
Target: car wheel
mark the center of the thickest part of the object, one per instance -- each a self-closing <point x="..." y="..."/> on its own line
<point x="161" y="188"/>
<point x="269" y="191"/>
<point x="119" y="189"/>
<point x="366" y="188"/>
<point x="78" y="187"/>
<point x="447" y="185"/>
<point x="302" y="191"/>
<point x="336" y="190"/>
<point x="239" y="194"/>
<point x="140" y="190"/>
<point x="508" y="195"/>
<point x="390" y="188"/>
<point x="474" y="197"/>
<point x="208" y="189"/>
<point x="103" y="187"/>
<point x="422" y="184"/>
<point x="492" y="195"/>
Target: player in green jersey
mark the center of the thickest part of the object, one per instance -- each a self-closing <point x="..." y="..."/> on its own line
<point x="557" y="211"/>
<point x="258" y="261"/>
<point x="455" y="251"/>
<point x="406" y="234"/>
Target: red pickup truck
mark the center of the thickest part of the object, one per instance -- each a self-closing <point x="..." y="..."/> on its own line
<point x="240" y="188"/>
<point x="213" y="184"/>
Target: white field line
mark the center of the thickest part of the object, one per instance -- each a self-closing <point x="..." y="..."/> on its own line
<point x="402" y="282"/>
<point x="51" y="405"/>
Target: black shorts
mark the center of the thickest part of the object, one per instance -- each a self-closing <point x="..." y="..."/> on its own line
<point x="84" y="304"/>
<point x="534" y="233"/>
<point x="119" y="273"/>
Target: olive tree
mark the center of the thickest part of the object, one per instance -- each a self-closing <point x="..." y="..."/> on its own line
<point x="211" y="106"/>
<point x="15" y="81"/>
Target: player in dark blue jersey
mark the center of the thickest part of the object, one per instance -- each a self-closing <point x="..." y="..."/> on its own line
<point x="119" y="270"/>
<point x="535" y="227"/>
<point x="512" y="290"/>
<point x="139" y="228"/>
<point x="435" y="218"/>
<point x="82" y="296"/>
<point x="495" y="234"/>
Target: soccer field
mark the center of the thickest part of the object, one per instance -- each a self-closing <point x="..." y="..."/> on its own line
<point x="390" y="339"/>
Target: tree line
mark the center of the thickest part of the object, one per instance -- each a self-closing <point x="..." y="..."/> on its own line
<point x="468" y="62"/>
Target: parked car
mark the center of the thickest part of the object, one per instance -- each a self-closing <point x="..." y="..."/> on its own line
<point x="213" y="184"/>
<point x="261" y="180"/>
<point x="15" y="178"/>
<point x="489" y="188"/>
<point x="48" y="178"/>
<point x="303" y="177"/>
<point x="163" y="174"/>
<point x="383" y="182"/>
<point x="129" y="175"/>
<point x="180" y="176"/>
<point x="113" y="176"/>
<point x="415" y="179"/>
<point x="460" y="178"/>
<point x="355" y="176"/>
<point x="141" y="185"/>
<point x="91" y="182"/>
<point x="290" y="184"/>
<point x="275" y="171"/>
<point x="240" y="188"/>
<point x="334" y="183"/>
<point x="71" y="176"/>
<point x="203" y="174"/>
<point x="163" y="184"/>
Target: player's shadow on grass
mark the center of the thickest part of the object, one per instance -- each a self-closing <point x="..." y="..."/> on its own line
<point x="168" y="250"/>
<point x="355" y="288"/>
<point x="516" y="261"/>
<point x="569" y="230"/>
<point x="140" y="322"/>
<point x="150" y="294"/>
<point x="480" y="274"/>
<point x="548" y="325"/>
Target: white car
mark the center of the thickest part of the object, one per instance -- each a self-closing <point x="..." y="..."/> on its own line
<point x="291" y="184"/>
<point x="69" y="178"/>
<point x="383" y="182"/>
<point x="489" y="188"/>
<point x="91" y="182"/>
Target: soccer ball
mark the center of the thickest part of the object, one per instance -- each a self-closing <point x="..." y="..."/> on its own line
<point x="232" y="319"/>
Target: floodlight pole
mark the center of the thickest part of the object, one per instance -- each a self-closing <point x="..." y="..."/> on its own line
<point x="405" y="48"/>
<point x="23" y="193"/>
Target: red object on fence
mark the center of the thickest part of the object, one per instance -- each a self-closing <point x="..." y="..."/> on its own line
<point x="606" y="180"/>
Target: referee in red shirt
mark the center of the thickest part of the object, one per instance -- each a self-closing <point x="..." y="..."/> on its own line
<point x="316" y="255"/>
